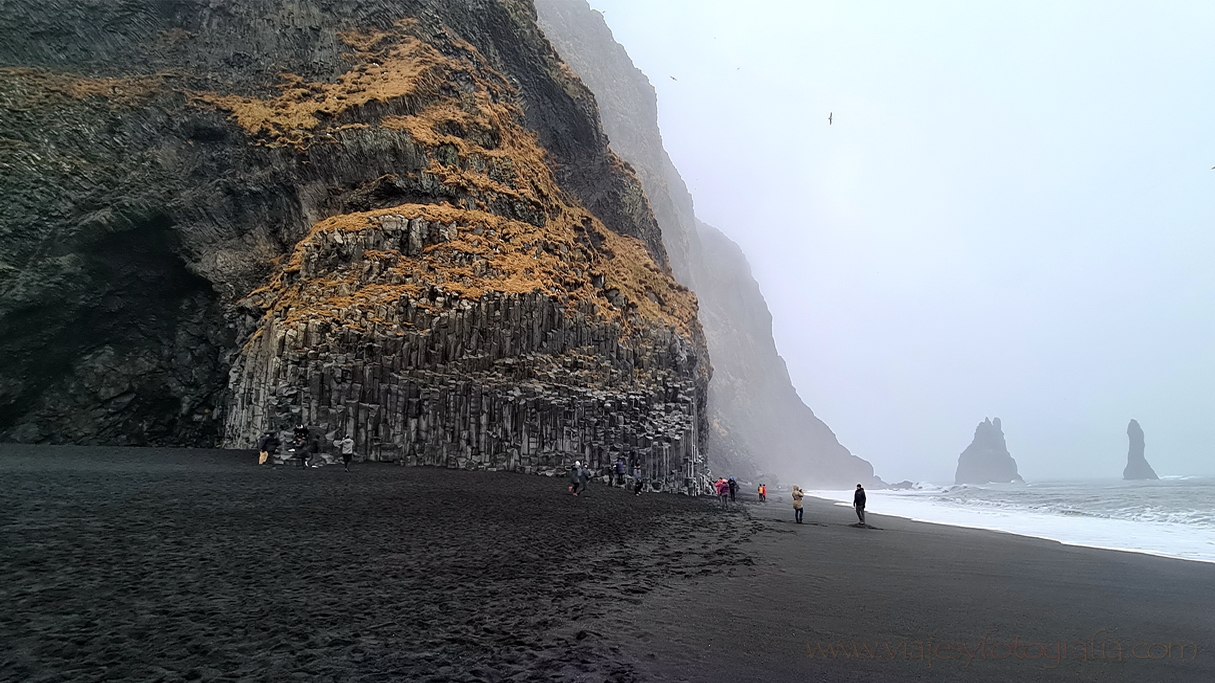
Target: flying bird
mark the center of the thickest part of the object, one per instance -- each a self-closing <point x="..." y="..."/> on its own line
<point x="829" y="118"/>
<point x="674" y="79"/>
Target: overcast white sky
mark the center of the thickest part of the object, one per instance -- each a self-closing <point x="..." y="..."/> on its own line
<point x="1012" y="214"/>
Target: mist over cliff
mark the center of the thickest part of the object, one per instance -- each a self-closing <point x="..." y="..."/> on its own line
<point x="758" y="423"/>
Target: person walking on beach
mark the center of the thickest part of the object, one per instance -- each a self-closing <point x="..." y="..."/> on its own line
<point x="346" y="448"/>
<point x="301" y="452"/>
<point x="798" y="494"/>
<point x="314" y="451"/>
<point x="299" y="444"/>
<point x="763" y="493"/>
<point x="723" y="492"/>
<point x="577" y="478"/>
<point x="733" y="485"/>
<point x="858" y="502"/>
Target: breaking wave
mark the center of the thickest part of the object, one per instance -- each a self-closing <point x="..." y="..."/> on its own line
<point x="1174" y="516"/>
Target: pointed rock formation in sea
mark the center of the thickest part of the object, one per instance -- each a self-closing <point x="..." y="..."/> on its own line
<point x="986" y="460"/>
<point x="1137" y="466"/>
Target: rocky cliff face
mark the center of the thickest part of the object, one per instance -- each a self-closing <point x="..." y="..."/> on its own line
<point x="758" y="424"/>
<point x="987" y="460"/>
<point x="754" y="410"/>
<point x="399" y="220"/>
<point x="1137" y="466"/>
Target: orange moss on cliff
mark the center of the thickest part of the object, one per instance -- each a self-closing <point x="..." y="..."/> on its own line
<point x="516" y="230"/>
<point x="38" y="88"/>
<point x="464" y="118"/>
<point x="486" y="254"/>
<point x="289" y="119"/>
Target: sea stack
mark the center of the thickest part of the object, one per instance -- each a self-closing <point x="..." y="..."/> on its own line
<point x="986" y="459"/>
<point x="1137" y="466"/>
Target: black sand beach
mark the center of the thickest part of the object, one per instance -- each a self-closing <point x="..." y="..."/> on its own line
<point x="916" y="601"/>
<point x="143" y="564"/>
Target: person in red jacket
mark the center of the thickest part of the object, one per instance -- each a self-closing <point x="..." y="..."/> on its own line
<point x="723" y="492"/>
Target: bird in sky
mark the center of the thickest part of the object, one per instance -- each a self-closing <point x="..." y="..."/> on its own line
<point x="674" y="79"/>
<point x="829" y="118"/>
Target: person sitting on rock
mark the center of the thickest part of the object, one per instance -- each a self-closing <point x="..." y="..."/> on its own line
<point x="798" y="494"/>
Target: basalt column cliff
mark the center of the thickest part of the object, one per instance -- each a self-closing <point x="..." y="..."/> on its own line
<point x="395" y="220"/>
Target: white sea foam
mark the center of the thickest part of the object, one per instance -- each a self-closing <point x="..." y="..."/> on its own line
<point x="1174" y="517"/>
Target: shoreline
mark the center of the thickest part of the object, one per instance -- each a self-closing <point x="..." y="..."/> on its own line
<point x="920" y="601"/>
<point x="1052" y="527"/>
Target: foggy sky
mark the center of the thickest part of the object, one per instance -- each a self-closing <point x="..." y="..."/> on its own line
<point x="1011" y="216"/>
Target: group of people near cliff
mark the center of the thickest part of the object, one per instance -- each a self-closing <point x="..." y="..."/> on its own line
<point x="858" y="503"/>
<point x="303" y="447"/>
<point x="615" y="474"/>
<point x="726" y="490"/>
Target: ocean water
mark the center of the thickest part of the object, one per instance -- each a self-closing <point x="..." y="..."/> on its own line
<point x="1172" y="517"/>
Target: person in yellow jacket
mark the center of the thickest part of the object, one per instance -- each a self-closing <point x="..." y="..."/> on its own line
<point x="798" y="494"/>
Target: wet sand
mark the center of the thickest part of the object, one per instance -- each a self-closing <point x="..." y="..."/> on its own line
<point x="912" y="601"/>
<point x="142" y="564"/>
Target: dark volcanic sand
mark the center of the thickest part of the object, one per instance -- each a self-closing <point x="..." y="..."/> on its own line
<point x="828" y="601"/>
<point x="164" y="565"/>
<point x="148" y="564"/>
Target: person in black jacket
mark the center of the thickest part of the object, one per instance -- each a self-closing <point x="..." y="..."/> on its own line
<point x="302" y="449"/>
<point x="267" y="446"/>
<point x="733" y="488"/>
<point x="858" y="502"/>
<point x="578" y="477"/>
<point x="621" y="470"/>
